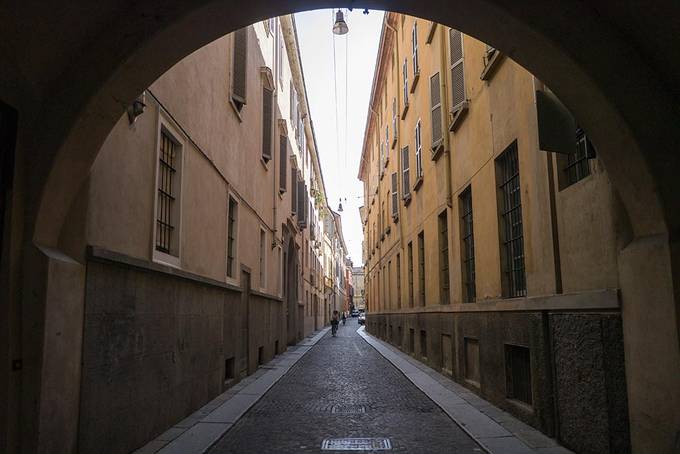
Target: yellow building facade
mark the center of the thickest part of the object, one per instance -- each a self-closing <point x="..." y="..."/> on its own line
<point x="487" y="255"/>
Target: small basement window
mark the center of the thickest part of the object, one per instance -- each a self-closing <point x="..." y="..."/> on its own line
<point x="518" y="373"/>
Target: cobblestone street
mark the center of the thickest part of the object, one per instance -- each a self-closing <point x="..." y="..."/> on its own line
<point x="343" y="388"/>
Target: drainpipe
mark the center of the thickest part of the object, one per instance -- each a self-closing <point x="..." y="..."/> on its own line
<point x="445" y="114"/>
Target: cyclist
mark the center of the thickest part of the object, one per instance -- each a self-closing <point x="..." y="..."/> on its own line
<point x="334" y="323"/>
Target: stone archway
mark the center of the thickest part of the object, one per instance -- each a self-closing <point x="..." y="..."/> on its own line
<point x="70" y="76"/>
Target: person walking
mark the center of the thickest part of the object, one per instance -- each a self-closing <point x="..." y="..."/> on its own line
<point x="335" y="321"/>
<point x="344" y="318"/>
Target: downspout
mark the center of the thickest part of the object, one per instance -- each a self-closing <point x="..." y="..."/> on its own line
<point x="445" y="114"/>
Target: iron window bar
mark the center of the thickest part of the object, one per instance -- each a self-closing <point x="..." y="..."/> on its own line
<point x="468" y="247"/>
<point x="166" y="199"/>
<point x="513" y="239"/>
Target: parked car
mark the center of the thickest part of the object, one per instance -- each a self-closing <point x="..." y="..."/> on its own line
<point x="355" y="313"/>
<point x="362" y="319"/>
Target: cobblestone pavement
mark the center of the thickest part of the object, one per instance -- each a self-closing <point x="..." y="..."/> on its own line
<point x="343" y="388"/>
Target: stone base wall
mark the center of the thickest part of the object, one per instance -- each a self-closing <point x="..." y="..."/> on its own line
<point x="155" y="348"/>
<point x="576" y="363"/>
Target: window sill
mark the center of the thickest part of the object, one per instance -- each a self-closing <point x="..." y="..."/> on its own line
<point x="407" y="199"/>
<point x="387" y="160"/>
<point x="281" y="193"/>
<point x="395" y="219"/>
<point x="388" y="230"/>
<point x="437" y="149"/>
<point x="492" y="62"/>
<point x="430" y="34"/>
<point x="404" y="110"/>
<point x="235" y="108"/>
<point x="418" y="183"/>
<point x="394" y="142"/>
<point x="382" y="237"/>
<point x="416" y="78"/>
<point x="265" y="163"/>
<point x="457" y="115"/>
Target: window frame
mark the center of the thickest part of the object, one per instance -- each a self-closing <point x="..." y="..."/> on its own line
<point x="167" y="127"/>
<point x="232" y="271"/>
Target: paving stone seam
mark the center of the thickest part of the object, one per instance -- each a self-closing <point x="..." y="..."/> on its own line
<point x="392" y="357"/>
<point x="278" y="372"/>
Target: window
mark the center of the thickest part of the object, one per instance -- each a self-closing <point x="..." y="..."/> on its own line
<point x="414" y="50"/>
<point x="443" y="257"/>
<point x="518" y="373"/>
<point x="421" y="267"/>
<point x="436" y="115"/>
<point x="388" y="293"/>
<point x="468" y="245"/>
<point x="398" y="279"/>
<point x="263" y="258"/>
<point x="405" y="76"/>
<point x="411" y="341"/>
<point x="514" y="280"/>
<point x="239" y="68"/>
<point x="576" y="165"/>
<point x="406" y="187"/>
<point x="395" y="199"/>
<point x="410" y="274"/>
<point x="267" y="123"/>
<point x="423" y="344"/>
<point x="167" y="196"/>
<point x="471" y="353"/>
<point x="232" y="224"/>
<point x="283" y="163"/>
<point x="280" y="50"/>
<point x="419" y="154"/>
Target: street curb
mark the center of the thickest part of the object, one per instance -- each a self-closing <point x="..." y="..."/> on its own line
<point x="490" y="434"/>
<point x="198" y="432"/>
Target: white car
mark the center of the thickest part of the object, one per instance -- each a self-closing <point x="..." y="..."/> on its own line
<point x="362" y="319"/>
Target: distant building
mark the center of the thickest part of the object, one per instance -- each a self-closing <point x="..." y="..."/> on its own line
<point x="359" y="293"/>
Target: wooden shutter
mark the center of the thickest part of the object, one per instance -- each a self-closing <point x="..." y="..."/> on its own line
<point x="301" y="201"/>
<point x="283" y="163"/>
<point x="267" y="112"/>
<point x="394" y="195"/>
<point x="414" y="46"/>
<point x="293" y="190"/>
<point x="405" y="73"/>
<point x="405" y="170"/>
<point x="457" y="69"/>
<point x="238" y="73"/>
<point x="394" y="121"/>
<point x="436" y="110"/>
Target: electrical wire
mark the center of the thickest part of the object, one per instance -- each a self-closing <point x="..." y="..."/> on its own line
<point x="335" y="93"/>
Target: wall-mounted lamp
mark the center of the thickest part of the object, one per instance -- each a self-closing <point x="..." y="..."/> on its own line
<point x="135" y="109"/>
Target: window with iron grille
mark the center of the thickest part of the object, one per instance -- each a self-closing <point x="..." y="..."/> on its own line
<point x="395" y="198"/>
<point x="577" y="166"/>
<point x="410" y="274"/>
<point x="518" y="373"/>
<point x="406" y="188"/>
<point x="267" y="123"/>
<point x="414" y="48"/>
<point x="421" y="267"/>
<point x="263" y="258"/>
<point x="514" y="282"/>
<point x="294" y="176"/>
<point x="443" y="257"/>
<point x="468" y="246"/>
<point x="232" y="223"/>
<point x="398" y="277"/>
<point x="436" y="113"/>
<point x="167" y="192"/>
<point x="419" y="152"/>
<point x="239" y="68"/>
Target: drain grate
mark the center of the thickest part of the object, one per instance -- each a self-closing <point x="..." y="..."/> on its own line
<point x="348" y="409"/>
<point x="356" y="444"/>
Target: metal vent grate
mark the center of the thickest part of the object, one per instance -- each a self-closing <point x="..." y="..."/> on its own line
<point x="356" y="444"/>
<point x="348" y="409"/>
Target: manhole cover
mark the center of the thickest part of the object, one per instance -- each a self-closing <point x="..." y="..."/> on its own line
<point x="356" y="444"/>
<point x="348" y="409"/>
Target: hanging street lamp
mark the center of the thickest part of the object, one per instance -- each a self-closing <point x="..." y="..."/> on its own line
<point x="340" y="26"/>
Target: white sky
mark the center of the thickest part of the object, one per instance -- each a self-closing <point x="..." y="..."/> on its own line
<point x="340" y="143"/>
